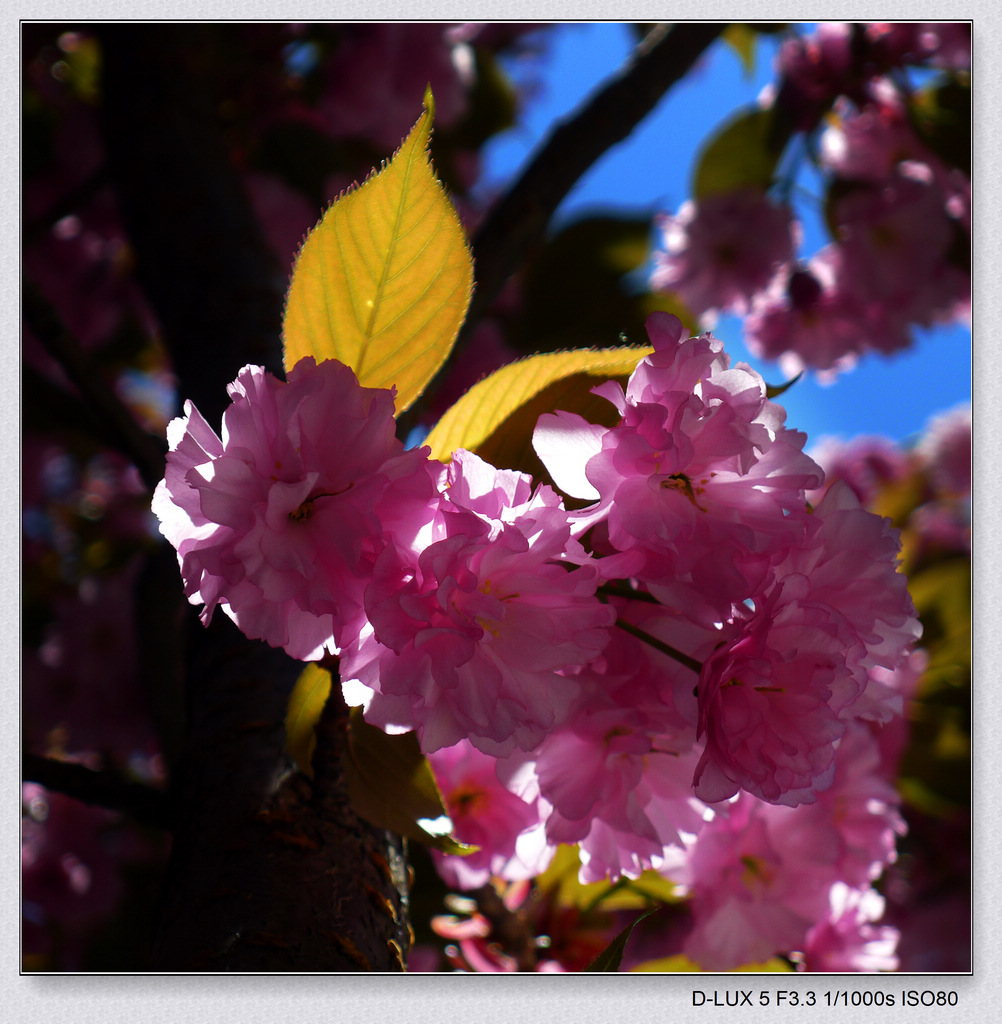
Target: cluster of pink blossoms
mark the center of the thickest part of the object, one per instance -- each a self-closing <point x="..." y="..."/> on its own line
<point x="281" y="521"/>
<point x="723" y="250"/>
<point x="685" y="674"/>
<point x="898" y="209"/>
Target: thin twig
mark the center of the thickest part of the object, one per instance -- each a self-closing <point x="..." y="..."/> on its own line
<point x="627" y="593"/>
<point x="660" y="645"/>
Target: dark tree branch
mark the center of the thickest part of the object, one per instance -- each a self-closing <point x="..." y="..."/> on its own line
<point x="100" y="789"/>
<point x="146" y="451"/>
<point x="331" y="750"/>
<point x="517" y="222"/>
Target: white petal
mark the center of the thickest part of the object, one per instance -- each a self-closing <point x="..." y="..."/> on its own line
<point x="566" y="442"/>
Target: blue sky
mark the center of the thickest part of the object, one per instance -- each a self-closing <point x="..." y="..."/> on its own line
<point x="894" y="396"/>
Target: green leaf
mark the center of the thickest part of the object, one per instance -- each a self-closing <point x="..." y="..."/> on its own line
<point x="652" y="885"/>
<point x="743" y="153"/>
<point x="390" y="782"/>
<point x="392" y="786"/>
<point x="560" y="880"/>
<point x="944" y="589"/>
<point x="928" y="800"/>
<point x="496" y="417"/>
<point x="305" y="706"/>
<point x="81" y="66"/>
<point x="775" y="390"/>
<point x="384" y="280"/>
<point x="561" y="883"/>
<point x="612" y="956"/>
<point x="579" y="290"/>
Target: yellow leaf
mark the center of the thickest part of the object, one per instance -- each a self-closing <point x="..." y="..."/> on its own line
<point x="383" y="282"/>
<point x="683" y="965"/>
<point x="488" y="408"/>
<point x="305" y="705"/>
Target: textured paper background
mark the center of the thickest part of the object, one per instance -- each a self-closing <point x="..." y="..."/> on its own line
<point x="480" y="999"/>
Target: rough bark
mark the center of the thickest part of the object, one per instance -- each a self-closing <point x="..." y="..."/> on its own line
<point x="271" y="871"/>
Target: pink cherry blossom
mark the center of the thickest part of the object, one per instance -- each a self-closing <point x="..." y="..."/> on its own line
<point x="870" y="142"/>
<point x="615" y="778"/>
<point x="766" y="707"/>
<point x="942" y="526"/>
<point x="766" y="711"/>
<point x="850" y="832"/>
<point x="747" y="903"/>
<point x="847" y="940"/>
<point x="506" y="828"/>
<point x="816" y="317"/>
<point x="866" y="464"/>
<point x="941" y="44"/>
<point x="480" y="945"/>
<point x="478" y="635"/>
<point x="66" y="872"/>
<point x="945" y="447"/>
<point x="281" y="521"/>
<point x="801" y="323"/>
<point x="855" y="824"/>
<point x="889" y="689"/>
<point x="774" y="699"/>
<point x="719" y="251"/>
<point x="75" y="863"/>
<point x="850" y="563"/>
<point x="610" y="782"/>
<point x="894" y="240"/>
<point x="815" y="69"/>
<point x="759" y="876"/>
<point x="377" y="75"/>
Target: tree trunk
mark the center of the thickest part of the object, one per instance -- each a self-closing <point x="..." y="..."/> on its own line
<point x="270" y="870"/>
